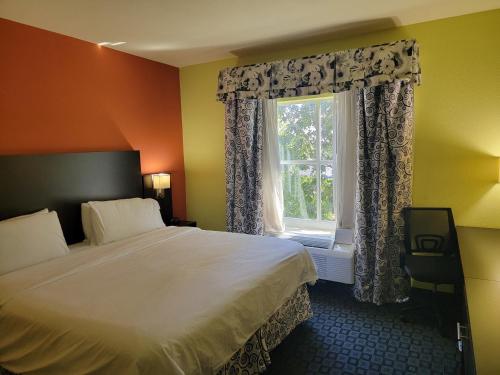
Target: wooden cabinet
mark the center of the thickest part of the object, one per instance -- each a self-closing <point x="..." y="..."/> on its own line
<point x="480" y="256"/>
<point x="464" y="339"/>
<point x="184" y="223"/>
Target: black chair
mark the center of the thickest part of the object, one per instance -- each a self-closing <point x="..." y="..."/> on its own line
<point x="431" y="252"/>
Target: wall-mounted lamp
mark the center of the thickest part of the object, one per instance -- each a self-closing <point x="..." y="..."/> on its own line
<point x="498" y="170"/>
<point x="158" y="186"/>
<point x="161" y="181"/>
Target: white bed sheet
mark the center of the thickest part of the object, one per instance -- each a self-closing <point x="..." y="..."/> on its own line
<point x="172" y="301"/>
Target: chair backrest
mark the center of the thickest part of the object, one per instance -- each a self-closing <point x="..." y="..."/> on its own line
<point x="430" y="230"/>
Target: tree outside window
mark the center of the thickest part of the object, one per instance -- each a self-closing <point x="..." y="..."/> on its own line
<point x="307" y="155"/>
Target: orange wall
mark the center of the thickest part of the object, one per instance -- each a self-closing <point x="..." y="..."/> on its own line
<point x="60" y="94"/>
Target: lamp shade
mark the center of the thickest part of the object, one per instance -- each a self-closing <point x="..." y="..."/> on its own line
<point x="161" y="181"/>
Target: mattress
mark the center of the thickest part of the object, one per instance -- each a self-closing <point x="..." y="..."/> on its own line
<point x="175" y="300"/>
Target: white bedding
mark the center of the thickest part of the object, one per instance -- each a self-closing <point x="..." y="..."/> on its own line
<point x="172" y="301"/>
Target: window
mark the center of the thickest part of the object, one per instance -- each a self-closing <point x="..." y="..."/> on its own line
<point x="307" y="156"/>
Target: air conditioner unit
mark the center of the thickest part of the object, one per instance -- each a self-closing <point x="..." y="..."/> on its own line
<point x="335" y="264"/>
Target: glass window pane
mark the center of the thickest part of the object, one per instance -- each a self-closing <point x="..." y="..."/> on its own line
<point x="299" y="191"/>
<point x="327" y="136"/>
<point x="327" y="208"/>
<point x="297" y="130"/>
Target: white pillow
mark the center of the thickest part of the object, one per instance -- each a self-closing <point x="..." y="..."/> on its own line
<point x="118" y="219"/>
<point x="44" y="211"/>
<point x="30" y="240"/>
<point x="87" y="224"/>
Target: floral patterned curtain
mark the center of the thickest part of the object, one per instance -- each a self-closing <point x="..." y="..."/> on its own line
<point x="383" y="76"/>
<point x="329" y="72"/>
<point x="244" y="124"/>
<point x="385" y="151"/>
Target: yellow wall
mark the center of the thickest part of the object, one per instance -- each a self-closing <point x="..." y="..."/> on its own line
<point x="457" y="119"/>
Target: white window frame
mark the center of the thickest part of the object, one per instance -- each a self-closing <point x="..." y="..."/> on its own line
<point x="318" y="223"/>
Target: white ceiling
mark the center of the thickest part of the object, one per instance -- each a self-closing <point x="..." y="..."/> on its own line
<point x="189" y="32"/>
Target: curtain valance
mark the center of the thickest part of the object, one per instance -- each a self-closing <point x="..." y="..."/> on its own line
<point x="328" y="72"/>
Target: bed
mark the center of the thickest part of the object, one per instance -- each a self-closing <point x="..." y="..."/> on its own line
<point x="170" y="301"/>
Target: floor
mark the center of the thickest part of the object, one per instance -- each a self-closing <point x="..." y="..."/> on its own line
<point x="349" y="337"/>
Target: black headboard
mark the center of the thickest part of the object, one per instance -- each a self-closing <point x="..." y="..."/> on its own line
<point x="61" y="182"/>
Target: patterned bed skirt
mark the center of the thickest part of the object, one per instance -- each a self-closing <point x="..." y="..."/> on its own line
<point x="253" y="357"/>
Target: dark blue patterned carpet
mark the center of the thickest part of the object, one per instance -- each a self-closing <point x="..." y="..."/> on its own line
<point x="349" y="337"/>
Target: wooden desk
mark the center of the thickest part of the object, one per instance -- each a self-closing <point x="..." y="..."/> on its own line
<point x="480" y="255"/>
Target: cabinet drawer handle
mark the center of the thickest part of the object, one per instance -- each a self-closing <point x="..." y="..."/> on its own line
<point x="460" y="329"/>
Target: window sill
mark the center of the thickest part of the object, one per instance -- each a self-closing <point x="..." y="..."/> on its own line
<point x="322" y="241"/>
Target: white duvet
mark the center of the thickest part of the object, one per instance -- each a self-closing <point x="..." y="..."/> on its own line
<point x="172" y="301"/>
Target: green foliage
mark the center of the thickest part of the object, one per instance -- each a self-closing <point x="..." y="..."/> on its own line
<point x="298" y="129"/>
<point x="299" y="191"/>
<point x="327" y="203"/>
